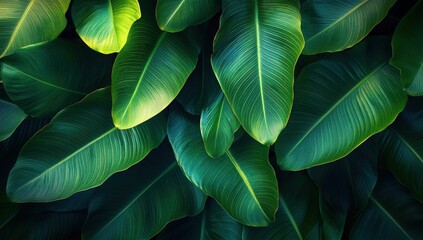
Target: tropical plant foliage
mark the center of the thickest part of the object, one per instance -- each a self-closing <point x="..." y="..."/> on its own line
<point x="211" y="119"/>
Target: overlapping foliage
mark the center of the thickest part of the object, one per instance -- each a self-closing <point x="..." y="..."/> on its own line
<point x="211" y="119"/>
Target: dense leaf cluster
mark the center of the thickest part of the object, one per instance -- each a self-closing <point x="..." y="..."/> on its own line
<point x="211" y="119"/>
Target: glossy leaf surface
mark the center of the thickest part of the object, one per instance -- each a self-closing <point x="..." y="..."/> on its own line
<point x="26" y="22"/>
<point x="104" y="24"/>
<point x="339" y="102"/>
<point x="80" y="148"/>
<point x="241" y="180"/>
<point x="255" y="51"/>
<point x="218" y="125"/>
<point x="330" y="26"/>
<point x="150" y="71"/>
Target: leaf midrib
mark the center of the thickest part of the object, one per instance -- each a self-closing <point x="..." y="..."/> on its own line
<point x="246" y="182"/>
<point x="44" y="82"/>
<point x="67" y="158"/>
<point x="339" y="19"/>
<point x="174" y="13"/>
<point x="155" y="180"/>
<point x="218" y="124"/>
<point x="364" y="80"/>
<point x="112" y="17"/>
<point x="259" y="67"/>
<point x="146" y="66"/>
<point x="17" y="28"/>
<point x="405" y="142"/>
<point x="291" y="218"/>
<point x="379" y="205"/>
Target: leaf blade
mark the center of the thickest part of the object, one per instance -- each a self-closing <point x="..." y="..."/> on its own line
<point x="86" y="133"/>
<point x="252" y="35"/>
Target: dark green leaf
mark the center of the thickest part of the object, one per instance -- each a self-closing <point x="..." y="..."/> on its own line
<point x="298" y="215"/>
<point x="202" y="87"/>
<point x="407" y="50"/>
<point x="345" y="187"/>
<point x="47" y="225"/>
<point x="212" y="223"/>
<point x="176" y="15"/>
<point x="330" y="26"/>
<point x="139" y="202"/>
<point x="402" y="147"/>
<point x="10" y="118"/>
<point x="46" y="78"/>
<point x="390" y="214"/>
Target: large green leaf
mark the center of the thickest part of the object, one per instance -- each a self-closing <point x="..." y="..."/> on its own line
<point x="10" y="118"/>
<point x="47" y="225"/>
<point x="255" y="51"/>
<point x="104" y="24"/>
<point x="80" y="148"/>
<point x="242" y="180"/>
<point x="212" y="223"/>
<point x="150" y="71"/>
<point x="390" y="214"/>
<point x="402" y="147"/>
<point x="176" y="15"/>
<point x="26" y="22"/>
<point x="345" y="187"/>
<point x="218" y="125"/>
<point x="124" y="207"/>
<point x="298" y="214"/>
<point x="339" y="102"/>
<point x="333" y="26"/>
<point x="202" y="87"/>
<point x="46" y="78"/>
<point x="407" y="50"/>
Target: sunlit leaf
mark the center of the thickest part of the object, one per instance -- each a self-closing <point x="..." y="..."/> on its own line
<point x="26" y="22"/>
<point x="255" y="51"/>
<point x="150" y="71"/>
<point x="104" y="24"/>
